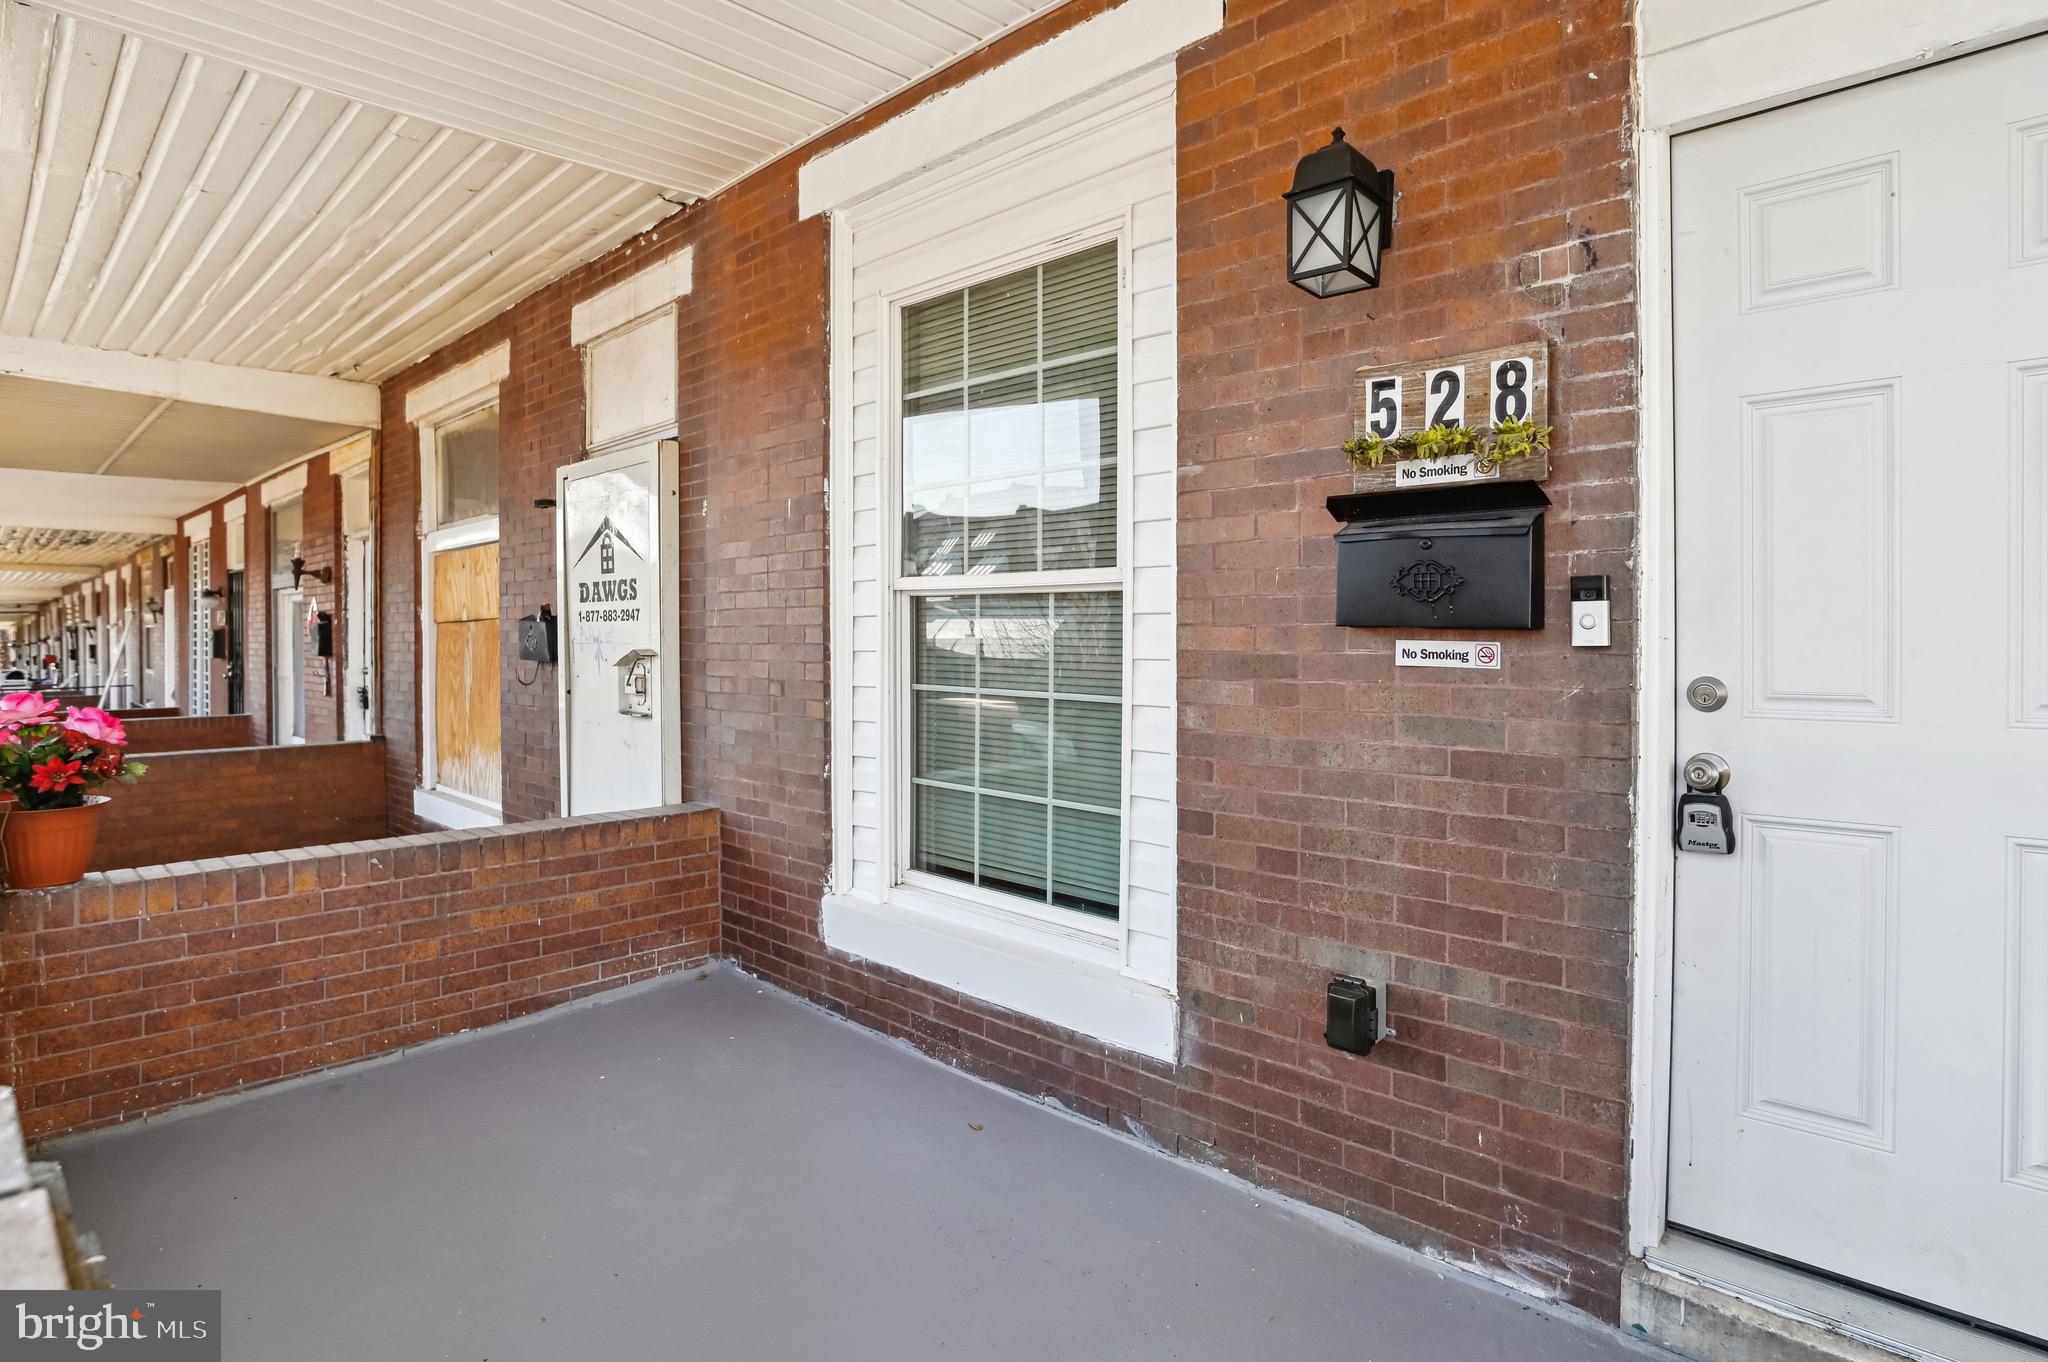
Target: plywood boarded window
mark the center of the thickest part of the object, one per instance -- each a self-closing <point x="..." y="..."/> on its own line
<point x="466" y="735"/>
<point x="460" y="772"/>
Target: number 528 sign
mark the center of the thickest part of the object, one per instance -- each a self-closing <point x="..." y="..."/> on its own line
<point x="1478" y="389"/>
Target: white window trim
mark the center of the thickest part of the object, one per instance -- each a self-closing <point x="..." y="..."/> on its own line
<point x="450" y="808"/>
<point x="284" y="487"/>
<point x="1079" y="934"/>
<point x="1065" y="68"/>
<point x="632" y="298"/>
<point x="1070" y="972"/>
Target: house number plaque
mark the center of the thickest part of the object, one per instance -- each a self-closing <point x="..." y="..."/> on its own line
<point x="1477" y="390"/>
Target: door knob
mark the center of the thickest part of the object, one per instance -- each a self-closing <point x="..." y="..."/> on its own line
<point x="1706" y="772"/>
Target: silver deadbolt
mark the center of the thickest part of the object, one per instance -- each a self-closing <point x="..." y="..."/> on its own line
<point x="1706" y="693"/>
<point x="1706" y="772"/>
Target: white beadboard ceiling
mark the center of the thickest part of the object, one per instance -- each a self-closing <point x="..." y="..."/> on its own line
<point x="169" y="204"/>
<point x="688" y="95"/>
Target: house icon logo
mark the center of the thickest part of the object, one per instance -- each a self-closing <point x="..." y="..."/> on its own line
<point x="605" y="541"/>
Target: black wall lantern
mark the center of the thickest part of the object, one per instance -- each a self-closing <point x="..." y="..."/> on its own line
<point x="1340" y="218"/>
<point x="300" y="571"/>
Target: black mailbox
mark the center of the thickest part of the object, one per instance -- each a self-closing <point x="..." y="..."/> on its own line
<point x="1447" y="558"/>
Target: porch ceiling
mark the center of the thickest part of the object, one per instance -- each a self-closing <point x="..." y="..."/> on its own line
<point x="178" y="205"/>
<point x="688" y="95"/>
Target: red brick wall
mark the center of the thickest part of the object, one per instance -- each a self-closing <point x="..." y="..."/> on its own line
<point x="1470" y="831"/>
<point x="133" y="992"/>
<point x="188" y="733"/>
<point x="1466" y="835"/>
<point x="196" y="804"/>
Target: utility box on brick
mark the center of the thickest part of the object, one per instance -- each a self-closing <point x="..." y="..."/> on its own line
<point x="1453" y="558"/>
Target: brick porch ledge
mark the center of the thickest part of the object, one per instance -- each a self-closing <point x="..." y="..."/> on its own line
<point x="138" y="990"/>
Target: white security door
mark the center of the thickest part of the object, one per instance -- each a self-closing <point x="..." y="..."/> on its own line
<point x="1860" y="1067"/>
<point x="620" y="683"/>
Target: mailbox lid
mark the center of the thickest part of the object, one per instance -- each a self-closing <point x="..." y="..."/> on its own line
<point x="1508" y="508"/>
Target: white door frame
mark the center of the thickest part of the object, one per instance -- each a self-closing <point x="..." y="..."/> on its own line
<point x="668" y="600"/>
<point x="285" y="643"/>
<point x="1779" y="61"/>
<point x="362" y="597"/>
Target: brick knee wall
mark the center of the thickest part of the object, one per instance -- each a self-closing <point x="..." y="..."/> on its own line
<point x="188" y="733"/>
<point x="132" y="992"/>
<point x="192" y="805"/>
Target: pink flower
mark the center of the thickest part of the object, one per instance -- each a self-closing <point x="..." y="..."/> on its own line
<point x="25" y="707"/>
<point x="95" y="723"/>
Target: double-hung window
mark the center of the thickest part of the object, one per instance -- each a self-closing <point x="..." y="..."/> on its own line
<point x="1010" y="591"/>
<point x="1002" y="512"/>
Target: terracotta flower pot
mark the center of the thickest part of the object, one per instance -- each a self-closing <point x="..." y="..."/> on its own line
<point x="48" y="847"/>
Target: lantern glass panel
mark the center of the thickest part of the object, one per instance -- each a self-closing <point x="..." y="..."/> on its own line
<point x="1365" y="249"/>
<point x="1316" y="231"/>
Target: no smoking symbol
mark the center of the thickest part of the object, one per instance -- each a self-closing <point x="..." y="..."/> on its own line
<point x="1486" y="654"/>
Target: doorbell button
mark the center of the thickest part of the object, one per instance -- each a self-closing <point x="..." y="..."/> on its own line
<point x="1590" y="626"/>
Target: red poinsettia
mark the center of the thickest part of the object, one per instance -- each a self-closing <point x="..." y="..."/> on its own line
<point x="55" y="776"/>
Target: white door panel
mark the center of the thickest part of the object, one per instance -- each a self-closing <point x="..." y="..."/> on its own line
<point x="1860" y="1047"/>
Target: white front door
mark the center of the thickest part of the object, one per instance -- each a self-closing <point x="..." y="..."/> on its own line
<point x="618" y="625"/>
<point x="287" y="667"/>
<point x="1860" y="1065"/>
<point x="359" y="622"/>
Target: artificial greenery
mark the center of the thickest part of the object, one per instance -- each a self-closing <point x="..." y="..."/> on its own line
<point x="1507" y="440"/>
<point x="1517" y="439"/>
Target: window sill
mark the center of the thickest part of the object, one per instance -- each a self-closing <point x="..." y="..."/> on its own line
<point x="454" y="811"/>
<point x="1037" y="980"/>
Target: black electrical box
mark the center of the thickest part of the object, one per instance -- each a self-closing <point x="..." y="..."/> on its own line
<point x="1353" y="1022"/>
<point x="323" y="634"/>
<point x="537" y="636"/>
<point x="1447" y="558"/>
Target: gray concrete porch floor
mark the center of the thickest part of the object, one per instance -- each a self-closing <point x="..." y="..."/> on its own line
<point x="709" y="1169"/>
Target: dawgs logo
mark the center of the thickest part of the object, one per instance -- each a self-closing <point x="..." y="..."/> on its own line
<point x="607" y="541"/>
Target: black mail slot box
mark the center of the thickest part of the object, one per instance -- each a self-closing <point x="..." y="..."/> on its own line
<point x="1447" y="558"/>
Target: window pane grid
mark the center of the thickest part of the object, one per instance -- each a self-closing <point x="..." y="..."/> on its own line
<point x="1010" y="422"/>
<point x="1017" y="786"/>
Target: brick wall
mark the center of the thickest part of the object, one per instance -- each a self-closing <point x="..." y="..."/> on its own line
<point x="197" y="804"/>
<point x="1466" y="832"/>
<point x="133" y="992"/>
<point x="1465" y="835"/>
<point x="321" y="548"/>
<point x="188" y="733"/>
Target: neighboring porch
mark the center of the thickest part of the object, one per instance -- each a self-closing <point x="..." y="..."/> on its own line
<point x="704" y="1167"/>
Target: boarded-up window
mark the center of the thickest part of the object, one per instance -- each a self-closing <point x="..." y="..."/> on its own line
<point x="466" y="737"/>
